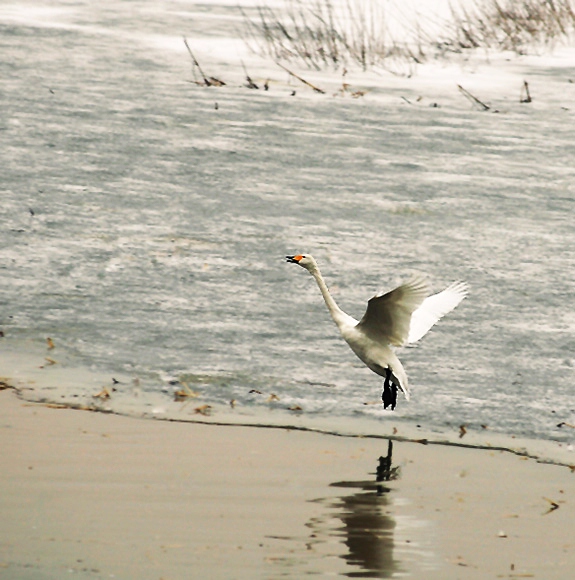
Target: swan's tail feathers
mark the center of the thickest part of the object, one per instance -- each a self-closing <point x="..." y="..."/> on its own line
<point x="391" y="385"/>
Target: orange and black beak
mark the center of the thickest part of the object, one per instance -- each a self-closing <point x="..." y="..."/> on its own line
<point x="294" y="259"/>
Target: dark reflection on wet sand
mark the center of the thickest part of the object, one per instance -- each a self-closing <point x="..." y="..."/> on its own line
<point x="367" y="529"/>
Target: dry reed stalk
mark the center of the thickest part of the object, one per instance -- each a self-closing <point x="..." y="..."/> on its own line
<point x="316" y="89"/>
<point x="208" y="81"/>
<point x="321" y="35"/>
<point x="473" y="99"/>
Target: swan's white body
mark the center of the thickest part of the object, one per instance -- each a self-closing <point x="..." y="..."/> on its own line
<point x="396" y="318"/>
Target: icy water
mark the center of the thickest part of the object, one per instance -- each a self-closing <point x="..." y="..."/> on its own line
<point x="145" y="220"/>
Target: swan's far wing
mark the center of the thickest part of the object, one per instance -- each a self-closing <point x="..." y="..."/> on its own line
<point x="433" y="308"/>
<point x="388" y="316"/>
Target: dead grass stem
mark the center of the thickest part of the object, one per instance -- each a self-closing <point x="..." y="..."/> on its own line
<point x="320" y="35"/>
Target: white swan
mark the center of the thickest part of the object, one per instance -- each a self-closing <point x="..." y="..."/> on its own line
<point x="396" y="318"/>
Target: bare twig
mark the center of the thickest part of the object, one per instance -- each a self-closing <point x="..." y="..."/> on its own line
<point x="251" y="84"/>
<point x="316" y="89"/>
<point x="553" y="506"/>
<point x="525" y="95"/>
<point x="208" y="81"/>
<point x="196" y="63"/>
<point x="473" y="99"/>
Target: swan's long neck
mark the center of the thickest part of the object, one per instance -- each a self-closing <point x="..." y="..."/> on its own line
<point x="338" y="315"/>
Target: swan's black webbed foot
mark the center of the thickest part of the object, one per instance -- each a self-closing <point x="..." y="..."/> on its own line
<point x="389" y="395"/>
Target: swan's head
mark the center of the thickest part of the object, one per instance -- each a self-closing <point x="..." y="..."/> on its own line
<point x="306" y="262"/>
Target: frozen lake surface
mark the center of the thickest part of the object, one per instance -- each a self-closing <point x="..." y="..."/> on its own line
<point x="145" y="220"/>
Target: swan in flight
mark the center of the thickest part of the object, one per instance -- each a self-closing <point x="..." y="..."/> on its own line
<point x="399" y="317"/>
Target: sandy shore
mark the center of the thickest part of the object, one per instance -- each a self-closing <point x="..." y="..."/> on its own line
<point x="90" y="495"/>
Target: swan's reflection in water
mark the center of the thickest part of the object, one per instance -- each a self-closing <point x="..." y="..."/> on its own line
<point x="364" y="526"/>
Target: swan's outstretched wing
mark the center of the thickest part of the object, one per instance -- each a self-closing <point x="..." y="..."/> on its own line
<point x="433" y="308"/>
<point x="388" y="316"/>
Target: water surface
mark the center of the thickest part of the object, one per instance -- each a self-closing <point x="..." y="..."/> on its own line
<point x="145" y="220"/>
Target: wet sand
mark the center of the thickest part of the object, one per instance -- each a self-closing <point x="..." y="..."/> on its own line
<point x="92" y="495"/>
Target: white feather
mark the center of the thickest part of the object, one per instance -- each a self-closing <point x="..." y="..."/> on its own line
<point x="395" y="318"/>
<point x="433" y="308"/>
